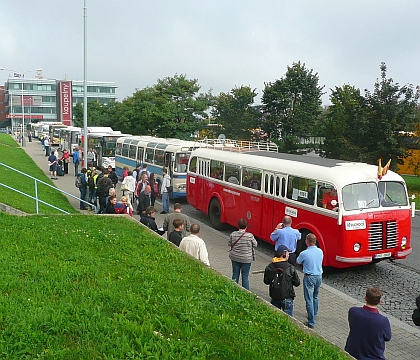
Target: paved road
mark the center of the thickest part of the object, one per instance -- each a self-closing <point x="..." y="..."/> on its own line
<point x="348" y="290"/>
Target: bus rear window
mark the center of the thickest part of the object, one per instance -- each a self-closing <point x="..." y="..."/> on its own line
<point x="181" y="162"/>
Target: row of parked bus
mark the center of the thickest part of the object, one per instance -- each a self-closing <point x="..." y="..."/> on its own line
<point x="368" y="221"/>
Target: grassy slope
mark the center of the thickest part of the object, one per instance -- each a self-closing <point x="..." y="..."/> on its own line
<point x="16" y="157"/>
<point x="103" y="293"/>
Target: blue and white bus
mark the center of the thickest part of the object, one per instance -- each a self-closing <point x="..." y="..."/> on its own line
<point x="157" y="153"/>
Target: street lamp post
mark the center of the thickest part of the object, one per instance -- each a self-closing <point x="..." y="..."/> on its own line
<point x="22" y="76"/>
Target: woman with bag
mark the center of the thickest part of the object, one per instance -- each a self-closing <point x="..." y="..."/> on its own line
<point x="154" y="184"/>
<point x="241" y="253"/>
<point x="128" y="186"/>
<point x="65" y="159"/>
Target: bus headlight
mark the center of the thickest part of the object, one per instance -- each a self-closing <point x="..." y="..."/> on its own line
<point x="357" y="247"/>
<point x="403" y="242"/>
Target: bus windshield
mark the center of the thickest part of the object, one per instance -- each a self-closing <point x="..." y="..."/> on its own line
<point x="366" y="195"/>
<point x="109" y="148"/>
<point x="181" y="162"/>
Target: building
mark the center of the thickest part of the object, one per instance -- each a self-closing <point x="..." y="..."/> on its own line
<point x="48" y="100"/>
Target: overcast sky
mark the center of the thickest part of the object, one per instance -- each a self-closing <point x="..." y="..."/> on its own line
<point x="222" y="44"/>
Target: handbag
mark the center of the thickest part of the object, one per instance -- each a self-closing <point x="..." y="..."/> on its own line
<point x="123" y="187"/>
<point x="169" y="189"/>
<point x="66" y="160"/>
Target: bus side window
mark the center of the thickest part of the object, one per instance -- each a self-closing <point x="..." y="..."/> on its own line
<point x="193" y="165"/>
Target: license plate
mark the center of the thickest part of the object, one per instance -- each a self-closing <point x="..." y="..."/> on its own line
<point x="382" y="256"/>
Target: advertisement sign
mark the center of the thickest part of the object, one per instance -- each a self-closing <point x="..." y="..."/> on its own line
<point x="65" y="102"/>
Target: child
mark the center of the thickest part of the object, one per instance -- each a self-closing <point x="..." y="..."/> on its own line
<point x="128" y="208"/>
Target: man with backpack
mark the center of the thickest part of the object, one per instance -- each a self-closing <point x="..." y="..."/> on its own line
<point x="281" y="276"/>
<point x="102" y="190"/>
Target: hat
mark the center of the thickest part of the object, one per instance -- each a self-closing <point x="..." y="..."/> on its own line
<point x="282" y="248"/>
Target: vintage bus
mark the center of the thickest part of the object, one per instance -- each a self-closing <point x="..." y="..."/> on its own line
<point x="69" y="138"/>
<point x="54" y="133"/>
<point x="104" y="145"/>
<point x="372" y="217"/>
<point x="157" y="153"/>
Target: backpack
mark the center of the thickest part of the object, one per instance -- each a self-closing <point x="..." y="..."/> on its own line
<point x="78" y="181"/>
<point x="277" y="286"/>
<point x="91" y="181"/>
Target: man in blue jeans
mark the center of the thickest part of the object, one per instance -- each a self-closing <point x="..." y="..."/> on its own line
<point x="311" y="259"/>
<point x="164" y="191"/>
<point x="281" y="276"/>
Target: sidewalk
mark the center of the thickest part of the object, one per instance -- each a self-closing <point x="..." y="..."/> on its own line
<point x="333" y="305"/>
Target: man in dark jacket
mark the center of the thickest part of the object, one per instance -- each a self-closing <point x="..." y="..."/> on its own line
<point x="145" y="200"/>
<point x="102" y="191"/>
<point x="148" y="219"/>
<point x="281" y="276"/>
<point x="113" y="176"/>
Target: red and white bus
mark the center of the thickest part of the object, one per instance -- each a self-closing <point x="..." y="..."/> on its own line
<point x="372" y="217"/>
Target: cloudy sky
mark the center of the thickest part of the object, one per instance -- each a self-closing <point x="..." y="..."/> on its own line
<point x="222" y="44"/>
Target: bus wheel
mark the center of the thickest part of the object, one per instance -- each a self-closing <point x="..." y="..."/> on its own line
<point x="215" y="214"/>
<point x="301" y="245"/>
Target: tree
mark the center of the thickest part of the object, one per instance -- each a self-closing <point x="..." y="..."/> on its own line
<point x="98" y="114"/>
<point x="235" y="113"/>
<point x="171" y="108"/>
<point x="367" y="128"/>
<point x="292" y="104"/>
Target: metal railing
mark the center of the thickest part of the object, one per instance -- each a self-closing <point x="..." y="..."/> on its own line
<point x="36" y="198"/>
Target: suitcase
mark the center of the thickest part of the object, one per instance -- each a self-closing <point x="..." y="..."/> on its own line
<point x="60" y="170"/>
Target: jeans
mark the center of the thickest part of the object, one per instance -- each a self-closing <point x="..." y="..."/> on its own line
<point x="165" y="201"/>
<point x="286" y="305"/>
<point x="237" y="268"/>
<point x="311" y="285"/>
<point x="92" y="198"/>
<point x="76" y="168"/>
<point x="83" y="192"/>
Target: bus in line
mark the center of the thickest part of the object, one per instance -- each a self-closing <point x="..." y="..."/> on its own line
<point x="104" y="145"/>
<point x="369" y="221"/>
<point x="157" y="153"/>
<point x="54" y="133"/>
<point x="69" y="138"/>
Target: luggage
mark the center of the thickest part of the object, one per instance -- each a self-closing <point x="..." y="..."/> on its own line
<point x="60" y="170"/>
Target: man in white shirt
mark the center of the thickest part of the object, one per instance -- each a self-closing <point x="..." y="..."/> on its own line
<point x="164" y="191"/>
<point x="194" y="245"/>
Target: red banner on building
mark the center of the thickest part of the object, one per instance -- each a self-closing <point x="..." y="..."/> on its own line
<point x="65" y="98"/>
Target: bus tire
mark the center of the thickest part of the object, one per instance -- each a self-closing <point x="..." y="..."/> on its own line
<point x="301" y="244"/>
<point x="215" y="214"/>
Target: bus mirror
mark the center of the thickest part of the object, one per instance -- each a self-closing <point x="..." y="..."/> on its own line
<point x="413" y="209"/>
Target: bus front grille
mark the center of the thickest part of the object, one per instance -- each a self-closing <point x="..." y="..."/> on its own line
<point x="383" y="235"/>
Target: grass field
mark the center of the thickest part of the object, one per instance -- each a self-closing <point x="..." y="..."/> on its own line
<point x="14" y="156"/>
<point x="119" y="292"/>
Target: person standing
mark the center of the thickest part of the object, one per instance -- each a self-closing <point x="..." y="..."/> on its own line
<point x="65" y="159"/>
<point x="113" y="176"/>
<point x="369" y="330"/>
<point x="83" y="188"/>
<point x="311" y="259"/>
<point x="47" y="146"/>
<point x="177" y="214"/>
<point x="102" y="189"/>
<point x="144" y="201"/>
<point x="164" y="191"/>
<point x="76" y="160"/>
<point x="129" y="186"/>
<point x="52" y="162"/>
<point x="154" y="184"/>
<point x="175" y="236"/>
<point x="285" y="235"/>
<point x="194" y="245"/>
<point x="282" y="277"/>
<point x="241" y="254"/>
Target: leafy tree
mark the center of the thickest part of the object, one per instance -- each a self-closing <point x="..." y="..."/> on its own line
<point x="291" y="105"/>
<point x="367" y="128"/>
<point x="98" y="114"/>
<point x="235" y="113"/>
<point x="171" y="108"/>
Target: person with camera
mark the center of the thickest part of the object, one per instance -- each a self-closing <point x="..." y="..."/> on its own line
<point x="281" y="276"/>
<point x="285" y="235"/>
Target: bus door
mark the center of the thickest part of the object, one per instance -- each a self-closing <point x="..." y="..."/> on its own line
<point x="273" y="190"/>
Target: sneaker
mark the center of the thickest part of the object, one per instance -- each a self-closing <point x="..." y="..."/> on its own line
<point x="163" y="212"/>
<point x="309" y="326"/>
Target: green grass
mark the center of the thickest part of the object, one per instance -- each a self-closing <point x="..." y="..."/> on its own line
<point x="112" y="290"/>
<point x="13" y="155"/>
<point x="413" y="187"/>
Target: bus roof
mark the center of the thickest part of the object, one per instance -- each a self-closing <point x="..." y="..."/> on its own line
<point x="338" y="172"/>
